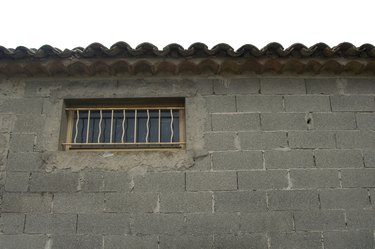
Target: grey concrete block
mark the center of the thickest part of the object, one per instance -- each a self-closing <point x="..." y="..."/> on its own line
<point x="237" y="160"/>
<point x="160" y="182"/>
<point x="186" y="202"/>
<point x="22" y="241"/>
<point x="293" y="199"/>
<point x="78" y="203"/>
<point x="207" y="121"/>
<point x="4" y="143"/>
<point x="89" y="88"/>
<point x="312" y="139"/>
<point x="52" y="107"/>
<point x="237" y="86"/>
<point x="307" y="104"/>
<point x="130" y="202"/>
<point x="267" y="179"/>
<point x="54" y="182"/>
<point x="355" y="139"/>
<point x="252" y="103"/>
<point x="360" y="86"/>
<point x="22" y="142"/>
<point x="369" y="158"/>
<point x="354" y="178"/>
<point x="77" y="242"/>
<point x="202" y="163"/>
<point x="338" y="159"/>
<point x="7" y="122"/>
<point x="159" y="224"/>
<point x="12" y="87"/>
<point x="349" y="239"/>
<point x="157" y="87"/>
<point x="130" y="241"/>
<point x="282" y="86"/>
<point x="202" y="181"/>
<point x="235" y="122"/>
<point x="289" y="159"/>
<point x="310" y="240"/>
<point x="12" y="223"/>
<point x="92" y="181"/>
<point x="186" y="242"/>
<point x="22" y="105"/>
<point x="24" y="161"/>
<point x="258" y="241"/>
<point x="322" y="220"/>
<point x="30" y="123"/>
<point x="217" y="104"/>
<point x="26" y="203"/>
<point x="323" y="86"/>
<point x="366" y="121"/>
<point x="103" y="224"/>
<point x="51" y="223"/>
<point x="17" y="181"/>
<point x="262" y="140"/>
<point x="360" y="219"/>
<point x="206" y="224"/>
<point x="283" y="121"/>
<point x="344" y="198"/>
<point x="353" y="103"/>
<point x="220" y="141"/>
<point x="265" y="222"/>
<point x="314" y="178"/>
<point x="334" y="121"/>
<point x="116" y="181"/>
<point x="244" y="201"/>
<point x="48" y="139"/>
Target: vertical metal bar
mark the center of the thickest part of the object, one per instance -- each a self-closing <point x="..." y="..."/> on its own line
<point x="88" y="126"/>
<point x="123" y="126"/>
<point x="182" y="126"/>
<point x="159" y="127"/>
<point x="100" y="125"/>
<point x="75" y="137"/>
<point x="110" y="138"/>
<point x="171" y="140"/>
<point x="147" y="125"/>
<point x="69" y="129"/>
<point x="135" y="125"/>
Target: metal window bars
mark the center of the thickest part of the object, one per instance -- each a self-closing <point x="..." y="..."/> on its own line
<point x="125" y="127"/>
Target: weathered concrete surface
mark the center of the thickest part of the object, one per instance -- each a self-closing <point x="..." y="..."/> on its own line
<point x="271" y="162"/>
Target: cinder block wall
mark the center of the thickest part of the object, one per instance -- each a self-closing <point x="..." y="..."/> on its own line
<point x="271" y="163"/>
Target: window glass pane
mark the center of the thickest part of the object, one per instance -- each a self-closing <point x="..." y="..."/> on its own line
<point x="118" y="117"/>
<point x="165" y="128"/>
<point x="81" y="128"/>
<point x="154" y="126"/>
<point x="105" y="127"/>
<point x="129" y="126"/>
<point x="94" y="126"/>
<point x="147" y="130"/>
<point x="141" y="126"/>
<point x="176" y="126"/>
<point x="166" y="131"/>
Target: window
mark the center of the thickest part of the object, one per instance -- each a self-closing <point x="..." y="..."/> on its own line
<point x="121" y="124"/>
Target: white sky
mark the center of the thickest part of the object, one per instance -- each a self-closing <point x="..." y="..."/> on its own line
<point x="72" y="23"/>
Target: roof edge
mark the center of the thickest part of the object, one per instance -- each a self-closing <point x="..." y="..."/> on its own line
<point x="196" y="50"/>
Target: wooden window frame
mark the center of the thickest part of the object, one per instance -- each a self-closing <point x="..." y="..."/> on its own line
<point x="72" y="105"/>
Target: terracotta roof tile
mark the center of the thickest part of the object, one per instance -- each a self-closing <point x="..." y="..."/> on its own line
<point x="173" y="59"/>
<point x="123" y="50"/>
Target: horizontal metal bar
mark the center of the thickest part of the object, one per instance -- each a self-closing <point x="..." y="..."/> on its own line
<point x="156" y="143"/>
<point x="128" y="149"/>
<point x="126" y="108"/>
